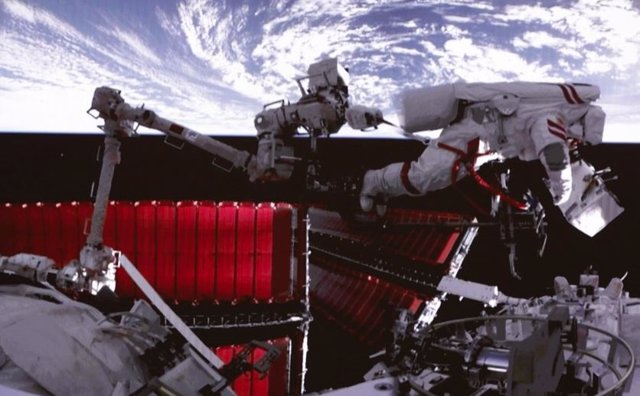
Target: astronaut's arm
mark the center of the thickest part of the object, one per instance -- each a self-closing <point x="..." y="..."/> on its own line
<point x="549" y="138"/>
<point x="555" y="158"/>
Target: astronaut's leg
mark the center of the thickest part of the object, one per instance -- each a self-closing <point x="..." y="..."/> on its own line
<point x="433" y="170"/>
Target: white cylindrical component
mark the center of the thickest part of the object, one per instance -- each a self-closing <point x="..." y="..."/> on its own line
<point x="363" y="117"/>
<point x="429" y="108"/>
<point x="493" y="359"/>
<point x="110" y="158"/>
<point x="27" y="265"/>
<point x="238" y="158"/>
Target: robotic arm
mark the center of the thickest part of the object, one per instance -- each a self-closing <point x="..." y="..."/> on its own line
<point x="321" y="111"/>
<point x="120" y="117"/>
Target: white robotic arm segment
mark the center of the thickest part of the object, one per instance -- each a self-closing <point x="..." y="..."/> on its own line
<point x="363" y="117"/>
<point x="116" y="112"/>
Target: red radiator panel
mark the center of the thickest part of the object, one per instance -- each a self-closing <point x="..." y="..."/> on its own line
<point x="124" y="214"/>
<point x="418" y="237"/>
<point x="361" y="304"/>
<point x="72" y="228"/>
<point x="187" y="250"/>
<point x="166" y="252"/>
<point x="146" y="245"/>
<point x="275" y="383"/>
<point x="36" y="222"/>
<point x="259" y="386"/>
<point x="264" y="251"/>
<point x="207" y="223"/>
<point x="109" y="234"/>
<point x="226" y="237"/>
<point x="22" y="230"/>
<point x="8" y="223"/>
<point x="246" y="251"/>
<point x="282" y="251"/>
<point x="55" y="234"/>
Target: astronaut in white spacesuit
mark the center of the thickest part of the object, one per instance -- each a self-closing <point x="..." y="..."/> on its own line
<point x="519" y="119"/>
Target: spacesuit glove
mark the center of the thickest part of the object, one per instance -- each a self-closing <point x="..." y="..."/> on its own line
<point x="560" y="185"/>
<point x="372" y="193"/>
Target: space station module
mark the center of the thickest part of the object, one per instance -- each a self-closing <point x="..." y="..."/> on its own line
<point x="522" y="120"/>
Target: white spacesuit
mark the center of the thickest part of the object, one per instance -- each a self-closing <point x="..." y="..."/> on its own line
<point x="518" y="119"/>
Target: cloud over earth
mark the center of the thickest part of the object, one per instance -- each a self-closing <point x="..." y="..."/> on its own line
<point x="211" y="64"/>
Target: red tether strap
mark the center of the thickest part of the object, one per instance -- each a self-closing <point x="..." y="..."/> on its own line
<point x="469" y="160"/>
<point x="404" y="177"/>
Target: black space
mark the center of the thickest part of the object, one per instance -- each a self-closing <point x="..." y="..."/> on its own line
<point x="62" y="167"/>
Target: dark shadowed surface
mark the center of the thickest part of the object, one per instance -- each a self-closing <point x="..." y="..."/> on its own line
<point x="53" y="168"/>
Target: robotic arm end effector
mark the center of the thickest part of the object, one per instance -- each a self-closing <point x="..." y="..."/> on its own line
<point x="363" y="117"/>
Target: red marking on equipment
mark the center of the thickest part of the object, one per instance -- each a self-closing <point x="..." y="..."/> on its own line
<point x="559" y="125"/>
<point x="404" y="177"/>
<point x="175" y="128"/>
<point x="415" y="305"/>
<point x="444" y="253"/>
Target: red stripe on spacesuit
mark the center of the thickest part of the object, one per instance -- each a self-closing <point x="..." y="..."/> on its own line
<point x="556" y="129"/>
<point x="404" y="177"/>
<point x="574" y="94"/>
<point x="468" y="159"/>
<point x="558" y="124"/>
<point x="565" y="92"/>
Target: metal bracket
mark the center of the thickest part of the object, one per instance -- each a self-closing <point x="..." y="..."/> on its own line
<point x="221" y="166"/>
<point x="169" y="141"/>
